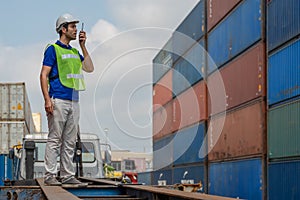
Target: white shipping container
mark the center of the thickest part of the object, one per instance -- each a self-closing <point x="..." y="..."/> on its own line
<point x="14" y="104"/>
<point x="11" y="133"/>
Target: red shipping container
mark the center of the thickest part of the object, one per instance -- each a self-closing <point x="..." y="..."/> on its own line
<point x="243" y="78"/>
<point x="162" y="121"/>
<point x="162" y="91"/>
<point x="242" y="135"/>
<point x="190" y="107"/>
<point x="217" y="9"/>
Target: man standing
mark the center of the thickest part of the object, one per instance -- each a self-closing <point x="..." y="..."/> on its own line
<point x="62" y="70"/>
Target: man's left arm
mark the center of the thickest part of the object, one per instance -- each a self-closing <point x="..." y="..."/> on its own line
<point x="87" y="64"/>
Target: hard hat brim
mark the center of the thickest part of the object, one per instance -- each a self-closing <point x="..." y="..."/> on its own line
<point x="60" y="27"/>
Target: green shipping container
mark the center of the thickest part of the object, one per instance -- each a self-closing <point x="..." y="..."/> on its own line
<point x="284" y="130"/>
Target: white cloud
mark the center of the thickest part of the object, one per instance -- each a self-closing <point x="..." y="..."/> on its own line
<point x="102" y="31"/>
<point x="157" y="13"/>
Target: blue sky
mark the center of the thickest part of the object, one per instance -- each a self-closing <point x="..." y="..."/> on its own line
<point x="123" y="37"/>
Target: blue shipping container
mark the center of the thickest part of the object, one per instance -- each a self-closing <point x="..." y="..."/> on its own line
<point x="6" y="168"/>
<point x="284" y="180"/>
<point x="145" y="177"/>
<point x="162" y="174"/>
<point x="187" y="143"/>
<point x="162" y="62"/>
<point x="195" y="173"/>
<point x="283" y="22"/>
<point x="189" y="31"/>
<point x="236" y="179"/>
<point x="237" y="32"/>
<point x="163" y="153"/>
<point x="283" y="73"/>
<point x="189" y="69"/>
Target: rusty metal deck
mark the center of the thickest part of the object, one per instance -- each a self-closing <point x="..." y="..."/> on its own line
<point x="55" y="192"/>
<point x="152" y="192"/>
<point x="100" y="189"/>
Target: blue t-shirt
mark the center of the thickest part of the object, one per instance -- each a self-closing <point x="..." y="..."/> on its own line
<point x="57" y="90"/>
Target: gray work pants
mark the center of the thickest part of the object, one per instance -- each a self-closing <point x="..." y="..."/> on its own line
<point x="63" y="128"/>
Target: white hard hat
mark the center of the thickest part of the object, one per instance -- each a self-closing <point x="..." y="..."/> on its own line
<point x="65" y="18"/>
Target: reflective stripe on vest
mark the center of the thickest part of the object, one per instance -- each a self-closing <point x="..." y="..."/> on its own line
<point x="69" y="67"/>
<point x="78" y="76"/>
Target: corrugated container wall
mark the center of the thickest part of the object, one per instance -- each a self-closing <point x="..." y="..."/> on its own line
<point x="189" y="172"/>
<point x="186" y="109"/>
<point x="163" y="121"/>
<point x="162" y="91"/>
<point x="241" y="135"/>
<point x="238" y="179"/>
<point x="283" y="73"/>
<point x="283" y="180"/>
<point x="237" y="32"/>
<point x="189" y="107"/>
<point x="187" y="143"/>
<point x="14" y="104"/>
<point x="283" y="22"/>
<point x="163" y="152"/>
<point x="284" y="130"/>
<point x="145" y="177"/>
<point x="162" y="174"/>
<point x="186" y="34"/>
<point x="162" y="62"/>
<point x="217" y="9"/>
<point x="243" y="78"/>
<point x="11" y="134"/>
<point x="189" y="69"/>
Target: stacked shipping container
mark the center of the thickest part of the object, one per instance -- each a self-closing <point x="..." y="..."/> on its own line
<point x="15" y="115"/>
<point x="236" y="154"/>
<point x="15" y="122"/>
<point x="178" y="122"/>
<point x="283" y="31"/>
<point x="255" y="130"/>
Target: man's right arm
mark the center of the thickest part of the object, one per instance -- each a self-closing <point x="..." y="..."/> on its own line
<point x="44" y="86"/>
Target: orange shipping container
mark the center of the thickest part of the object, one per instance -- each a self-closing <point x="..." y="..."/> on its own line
<point x="242" y="135"/>
<point x="243" y="79"/>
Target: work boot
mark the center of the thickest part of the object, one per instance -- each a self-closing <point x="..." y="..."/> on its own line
<point x="51" y="181"/>
<point x="73" y="182"/>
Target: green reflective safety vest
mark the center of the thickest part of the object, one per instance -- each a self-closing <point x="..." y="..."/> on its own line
<point x="69" y="67"/>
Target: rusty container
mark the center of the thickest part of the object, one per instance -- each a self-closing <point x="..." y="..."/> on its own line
<point x="162" y="91"/>
<point x="243" y="79"/>
<point x="242" y="134"/>
<point x="163" y="121"/>
<point x="190" y="107"/>
<point x="217" y="10"/>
